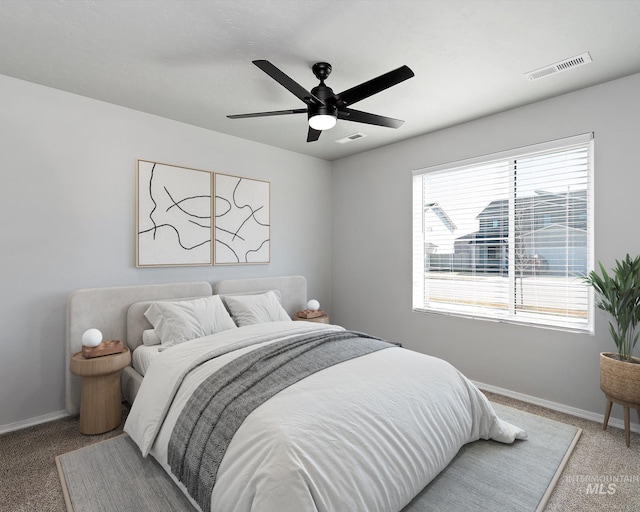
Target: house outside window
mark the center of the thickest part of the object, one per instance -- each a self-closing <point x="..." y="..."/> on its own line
<point x="508" y="236"/>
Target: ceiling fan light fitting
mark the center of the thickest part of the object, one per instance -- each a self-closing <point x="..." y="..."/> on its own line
<point x="322" y="117"/>
<point x="322" y="121"/>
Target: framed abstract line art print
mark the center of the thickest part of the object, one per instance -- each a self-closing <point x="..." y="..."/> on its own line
<point x="173" y="215"/>
<point x="242" y="224"/>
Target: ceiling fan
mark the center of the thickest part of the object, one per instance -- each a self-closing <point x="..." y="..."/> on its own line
<point x="324" y="107"/>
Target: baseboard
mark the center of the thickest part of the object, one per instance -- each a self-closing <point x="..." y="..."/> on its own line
<point x="32" y="421"/>
<point x="580" y="413"/>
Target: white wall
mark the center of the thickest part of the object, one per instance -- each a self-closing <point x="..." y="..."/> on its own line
<point x="67" y="210"/>
<point x="372" y="243"/>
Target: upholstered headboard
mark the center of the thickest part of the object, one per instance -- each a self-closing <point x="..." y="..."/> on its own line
<point x="108" y="309"/>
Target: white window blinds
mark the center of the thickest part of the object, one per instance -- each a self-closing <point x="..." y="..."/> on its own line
<point x="507" y="236"/>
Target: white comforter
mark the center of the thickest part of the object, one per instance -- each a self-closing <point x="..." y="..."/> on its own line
<point x="364" y="435"/>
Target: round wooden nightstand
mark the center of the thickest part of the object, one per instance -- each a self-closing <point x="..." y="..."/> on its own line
<point x="100" y="407"/>
<point x="324" y="319"/>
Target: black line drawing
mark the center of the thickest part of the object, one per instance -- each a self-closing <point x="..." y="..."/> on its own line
<point x="242" y="220"/>
<point x="173" y="215"/>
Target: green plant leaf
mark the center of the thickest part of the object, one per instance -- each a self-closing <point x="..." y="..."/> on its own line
<point x="618" y="294"/>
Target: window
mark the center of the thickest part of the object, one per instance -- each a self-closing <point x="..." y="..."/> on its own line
<point x="508" y="236"/>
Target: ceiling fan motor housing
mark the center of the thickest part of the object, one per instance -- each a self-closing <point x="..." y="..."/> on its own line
<point x="325" y="94"/>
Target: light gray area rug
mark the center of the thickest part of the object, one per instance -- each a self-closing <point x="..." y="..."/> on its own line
<point x="111" y="476"/>
<point x="491" y="476"/>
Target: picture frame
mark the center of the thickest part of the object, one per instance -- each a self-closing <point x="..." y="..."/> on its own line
<point x="173" y="215"/>
<point x="242" y="223"/>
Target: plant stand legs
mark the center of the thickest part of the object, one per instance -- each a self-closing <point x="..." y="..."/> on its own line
<point x="625" y="406"/>
<point x="607" y="413"/>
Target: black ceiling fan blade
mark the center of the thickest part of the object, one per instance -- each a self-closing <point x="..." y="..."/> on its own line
<point x="348" y="114"/>
<point x="288" y="83"/>
<point x="374" y="86"/>
<point x="272" y="113"/>
<point x="313" y="135"/>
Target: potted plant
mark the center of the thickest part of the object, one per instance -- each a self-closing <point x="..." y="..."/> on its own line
<point x="619" y="295"/>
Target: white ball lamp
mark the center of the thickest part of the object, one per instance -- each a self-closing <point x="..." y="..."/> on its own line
<point x="313" y="305"/>
<point x="91" y="338"/>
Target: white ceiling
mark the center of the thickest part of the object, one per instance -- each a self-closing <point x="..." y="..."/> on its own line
<point x="191" y="60"/>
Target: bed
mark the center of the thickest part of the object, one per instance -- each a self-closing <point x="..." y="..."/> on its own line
<point x="251" y="411"/>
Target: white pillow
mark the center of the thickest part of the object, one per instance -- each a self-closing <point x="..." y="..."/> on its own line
<point x="255" y="309"/>
<point x="176" y="322"/>
<point x="150" y="337"/>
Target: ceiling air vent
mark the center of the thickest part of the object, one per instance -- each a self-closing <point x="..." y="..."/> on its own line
<point x="350" y="138"/>
<point x="564" y="65"/>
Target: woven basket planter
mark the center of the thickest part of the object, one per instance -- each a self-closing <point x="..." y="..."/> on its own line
<point x="620" y="379"/>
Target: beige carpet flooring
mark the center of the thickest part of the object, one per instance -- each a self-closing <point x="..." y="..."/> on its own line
<point x="29" y="479"/>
